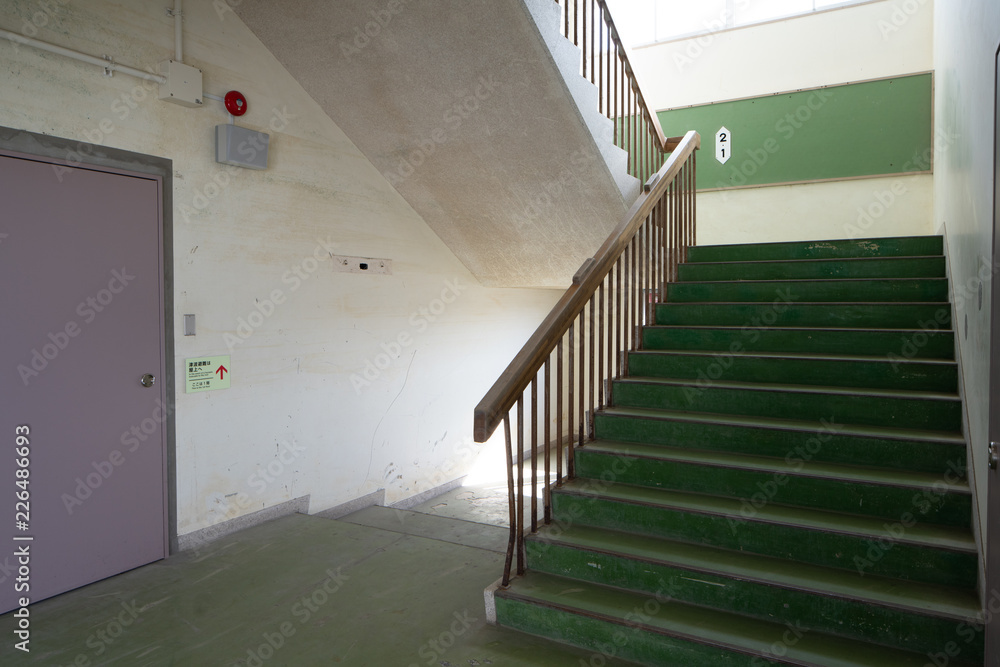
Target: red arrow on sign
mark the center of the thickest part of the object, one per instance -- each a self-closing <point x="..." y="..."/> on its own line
<point x="222" y="370"/>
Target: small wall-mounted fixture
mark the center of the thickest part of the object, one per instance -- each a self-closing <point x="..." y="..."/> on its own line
<point x="362" y="265"/>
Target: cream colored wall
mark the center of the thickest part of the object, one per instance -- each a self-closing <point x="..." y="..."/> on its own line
<point x="891" y="206"/>
<point x="871" y="41"/>
<point x="968" y="34"/>
<point x="344" y="384"/>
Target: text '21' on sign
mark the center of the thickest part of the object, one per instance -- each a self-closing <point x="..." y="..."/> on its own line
<point x="723" y="145"/>
<point x="206" y="373"/>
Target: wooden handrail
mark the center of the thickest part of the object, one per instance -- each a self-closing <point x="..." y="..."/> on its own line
<point x="498" y="401"/>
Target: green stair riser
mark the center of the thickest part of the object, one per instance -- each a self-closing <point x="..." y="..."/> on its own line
<point x="763" y="487"/>
<point x="619" y="640"/>
<point x="888" y="557"/>
<point x="914" y="413"/>
<point x="837" y="249"/>
<point x="744" y="367"/>
<point x="822" y="444"/>
<point x="758" y="316"/>
<point x="889" y="626"/>
<point x="903" y="267"/>
<point x="928" y="290"/>
<point x="917" y="344"/>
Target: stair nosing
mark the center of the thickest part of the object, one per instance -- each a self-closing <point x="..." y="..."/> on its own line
<point x="759" y="517"/>
<point x="813" y="260"/>
<point x="914" y="394"/>
<point x="823" y="281"/>
<point x="801" y="356"/>
<point x="807" y="303"/>
<point x="596" y="445"/>
<point x="860" y="430"/>
<point x="737" y="642"/>
<point x="856" y="595"/>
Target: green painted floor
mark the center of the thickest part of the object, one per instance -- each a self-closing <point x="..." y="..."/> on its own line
<point x="381" y="588"/>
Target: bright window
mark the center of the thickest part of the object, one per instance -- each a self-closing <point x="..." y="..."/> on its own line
<point x="646" y="21"/>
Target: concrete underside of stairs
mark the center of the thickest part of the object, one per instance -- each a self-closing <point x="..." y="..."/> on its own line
<point x="460" y="105"/>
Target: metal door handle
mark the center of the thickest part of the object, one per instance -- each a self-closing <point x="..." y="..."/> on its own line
<point x="147" y="380"/>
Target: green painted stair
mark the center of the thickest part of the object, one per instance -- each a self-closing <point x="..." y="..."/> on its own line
<point x="874" y="372"/>
<point x="780" y="478"/>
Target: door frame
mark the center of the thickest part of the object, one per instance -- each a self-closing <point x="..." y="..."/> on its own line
<point x="81" y="154"/>
<point x="992" y="537"/>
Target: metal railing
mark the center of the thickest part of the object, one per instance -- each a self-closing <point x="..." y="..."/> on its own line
<point x="588" y="24"/>
<point x="586" y="338"/>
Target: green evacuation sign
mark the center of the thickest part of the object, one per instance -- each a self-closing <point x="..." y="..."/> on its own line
<point x="206" y="373"/>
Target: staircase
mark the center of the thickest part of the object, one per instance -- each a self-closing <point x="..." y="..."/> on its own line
<point x="780" y="479"/>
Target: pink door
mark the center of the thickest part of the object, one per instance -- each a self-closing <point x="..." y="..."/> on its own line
<point x="81" y="324"/>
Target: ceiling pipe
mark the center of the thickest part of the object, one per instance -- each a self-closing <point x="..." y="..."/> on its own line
<point x="82" y="57"/>
<point x="178" y="31"/>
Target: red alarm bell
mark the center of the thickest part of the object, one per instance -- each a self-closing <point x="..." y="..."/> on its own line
<point x="236" y="103"/>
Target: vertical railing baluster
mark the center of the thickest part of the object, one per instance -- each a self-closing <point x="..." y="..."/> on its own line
<point x="534" y="454"/>
<point x="694" y="202"/>
<point x="559" y="412"/>
<point x="619" y="372"/>
<point x="633" y="122"/>
<point x="610" y="350"/>
<point x="617" y="118"/>
<point x="512" y="539"/>
<point x="597" y="32"/>
<point x="576" y="22"/>
<point x="593" y="43"/>
<point x="583" y="49"/>
<point x="547" y="446"/>
<point x="572" y="405"/>
<point x="582" y="418"/>
<point x="656" y="251"/>
<point x="607" y="65"/>
<point x="663" y="247"/>
<point x="600" y="350"/>
<point x="650" y="269"/>
<point x="592" y="378"/>
<point x="520" y="484"/>
<point x="681" y="224"/>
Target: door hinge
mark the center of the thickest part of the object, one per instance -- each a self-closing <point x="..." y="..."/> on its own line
<point x="994" y="455"/>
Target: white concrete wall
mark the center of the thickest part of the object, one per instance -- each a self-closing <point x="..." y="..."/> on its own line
<point x="872" y="207"/>
<point x="301" y="417"/>
<point x="967" y="36"/>
<point x="877" y="40"/>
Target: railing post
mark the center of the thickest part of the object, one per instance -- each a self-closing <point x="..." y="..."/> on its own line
<point x="511" y="541"/>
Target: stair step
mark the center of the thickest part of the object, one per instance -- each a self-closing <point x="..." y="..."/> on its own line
<point x="656" y="632"/>
<point x="831" y="290"/>
<point x="912" y="246"/>
<point x="912" y="616"/>
<point x="758" y="480"/>
<point x="804" y="269"/>
<point x="799" y="368"/>
<point x="794" y="440"/>
<point x="935" y="343"/>
<point x="783" y="311"/>
<point x="878" y="407"/>
<point x="904" y="549"/>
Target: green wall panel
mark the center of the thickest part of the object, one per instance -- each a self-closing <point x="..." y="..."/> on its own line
<point x="861" y="129"/>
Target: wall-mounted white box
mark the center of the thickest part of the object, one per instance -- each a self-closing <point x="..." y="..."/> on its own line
<point x="183" y="85"/>
<point x="241" y="147"/>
